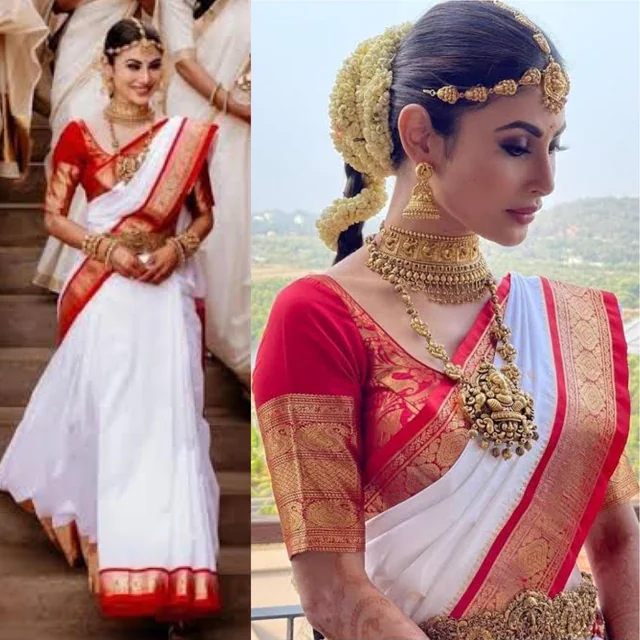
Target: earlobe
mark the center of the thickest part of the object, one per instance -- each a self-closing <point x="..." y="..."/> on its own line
<point x="416" y="133"/>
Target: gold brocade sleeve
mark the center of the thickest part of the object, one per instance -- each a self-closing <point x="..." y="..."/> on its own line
<point x="312" y="444"/>
<point x="623" y="485"/>
<point x="60" y="188"/>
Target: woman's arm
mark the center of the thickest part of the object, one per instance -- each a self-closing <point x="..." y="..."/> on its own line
<point x="149" y="6"/>
<point x="195" y="75"/>
<point x="64" y="6"/>
<point x="340" y="601"/>
<point x="612" y="549"/>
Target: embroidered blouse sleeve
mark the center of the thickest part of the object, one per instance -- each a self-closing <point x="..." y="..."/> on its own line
<point x="623" y="485"/>
<point x="307" y="380"/>
<point x="177" y="24"/>
<point x="68" y="159"/>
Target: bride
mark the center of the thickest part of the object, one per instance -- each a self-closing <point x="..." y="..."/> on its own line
<point x="122" y="478"/>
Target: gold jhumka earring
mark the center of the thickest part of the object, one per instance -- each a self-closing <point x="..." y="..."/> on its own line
<point x="422" y="205"/>
<point x="107" y="85"/>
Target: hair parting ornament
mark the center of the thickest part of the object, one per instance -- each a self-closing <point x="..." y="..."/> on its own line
<point x="359" y="115"/>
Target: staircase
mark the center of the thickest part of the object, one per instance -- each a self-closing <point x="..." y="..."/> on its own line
<point x="40" y="596"/>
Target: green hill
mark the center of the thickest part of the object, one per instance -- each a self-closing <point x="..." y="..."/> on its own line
<point x="596" y="231"/>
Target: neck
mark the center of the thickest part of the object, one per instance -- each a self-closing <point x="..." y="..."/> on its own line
<point x="126" y="112"/>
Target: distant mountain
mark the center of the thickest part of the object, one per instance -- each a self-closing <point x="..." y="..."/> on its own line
<point x="594" y="230"/>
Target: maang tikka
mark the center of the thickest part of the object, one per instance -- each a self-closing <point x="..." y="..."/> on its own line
<point x="422" y="205"/>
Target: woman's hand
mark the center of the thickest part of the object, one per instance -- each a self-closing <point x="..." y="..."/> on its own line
<point x="126" y="263"/>
<point x="160" y="265"/>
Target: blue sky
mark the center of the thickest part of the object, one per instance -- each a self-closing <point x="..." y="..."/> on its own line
<point x="299" y="45"/>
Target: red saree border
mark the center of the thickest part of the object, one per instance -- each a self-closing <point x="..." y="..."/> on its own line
<point x="443" y="389"/>
<point x="164" y="594"/>
<point x="623" y="415"/>
<point x="561" y="406"/>
<point x="538" y="547"/>
<point x="91" y="274"/>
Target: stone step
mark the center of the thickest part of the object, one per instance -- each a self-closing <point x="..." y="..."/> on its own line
<point x="21" y="367"/>
<point x="17" y="269"/>
<point x="22" y="225"/>
<point x="30" y="190"/>
<point x="41" y="141"/>
<point x="230" y="439"/>
<point x="44" y="598"/>
<point x="17" y="527"/>
<point x="27" y="320"/>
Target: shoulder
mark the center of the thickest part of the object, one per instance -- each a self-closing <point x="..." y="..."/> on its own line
<point x="312" y="296"/>
<point x="70" y="146"/>
<point x="568" y="292"/>
<point x="558" y="288"/>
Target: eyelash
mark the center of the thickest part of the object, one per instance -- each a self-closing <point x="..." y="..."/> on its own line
<point x="516" y="150"/>
<point x="135" y="67"/>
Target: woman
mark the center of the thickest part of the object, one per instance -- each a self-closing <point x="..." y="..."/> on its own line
<point x="441" y="445"/>
<point x="123" y="478"/>
<point x="212" y="63"/>
<point x="77" y="93"/>
<point x="22" y="31"/>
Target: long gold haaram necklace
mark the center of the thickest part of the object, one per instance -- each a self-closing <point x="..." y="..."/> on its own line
<point x="500" y="412"/>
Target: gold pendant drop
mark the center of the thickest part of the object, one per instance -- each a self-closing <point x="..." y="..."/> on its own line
<point x="501" y="414"/>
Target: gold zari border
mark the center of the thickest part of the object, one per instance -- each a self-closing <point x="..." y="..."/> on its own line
<point x="312" y="446"/>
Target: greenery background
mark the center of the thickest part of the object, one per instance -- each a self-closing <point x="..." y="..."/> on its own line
<point x="593" y="243"/>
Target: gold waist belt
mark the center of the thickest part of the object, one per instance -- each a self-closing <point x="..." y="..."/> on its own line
<point x="140" y="241"/>
<point x="530" y="615"/>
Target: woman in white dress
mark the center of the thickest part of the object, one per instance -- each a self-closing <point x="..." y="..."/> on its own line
<point x="22" y="31"/>
<point x="212" y="82"/>
<point x="77" y="93"/>
<point x="122" y="476"/>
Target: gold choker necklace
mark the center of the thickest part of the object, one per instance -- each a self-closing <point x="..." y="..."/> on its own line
<point x="128" y="113"/>
<point x="500" y="412"/>
<point x="449" y="269"/>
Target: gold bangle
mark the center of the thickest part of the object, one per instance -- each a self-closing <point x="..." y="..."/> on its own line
<point x="177" y="245"/>
<point x="214" y="91"/>
<point x="189" y="241"/>
<point x="90" y="244"/>
<point x="113" y="243"/>
<point x="226" y="102"/>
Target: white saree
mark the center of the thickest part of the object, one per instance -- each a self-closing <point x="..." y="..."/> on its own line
<point x="126" y="459"/>
<point x="423" y="552"/>
<point x="220" y="42"/>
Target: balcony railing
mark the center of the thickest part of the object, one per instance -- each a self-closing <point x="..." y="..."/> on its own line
<point x="279" y="613"/>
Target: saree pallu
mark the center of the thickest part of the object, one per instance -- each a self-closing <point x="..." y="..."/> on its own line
<point x="22" y="31"/>
<point x="113" y="451"/>
<point x="220" y="41"/>
<point x="490" y="530"/>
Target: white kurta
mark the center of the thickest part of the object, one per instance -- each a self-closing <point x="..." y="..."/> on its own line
<point x="221" y="43"/>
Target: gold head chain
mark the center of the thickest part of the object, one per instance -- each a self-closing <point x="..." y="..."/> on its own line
<point x="143" y="41"/>
<point x="554" y="80"/>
